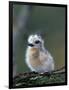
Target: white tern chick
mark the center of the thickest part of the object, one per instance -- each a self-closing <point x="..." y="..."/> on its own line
<point x="38" y="58"/>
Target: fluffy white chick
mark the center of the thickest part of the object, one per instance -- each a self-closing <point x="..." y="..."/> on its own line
<point x="38" y="58"/>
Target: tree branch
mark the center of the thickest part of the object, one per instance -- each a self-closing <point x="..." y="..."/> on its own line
<point x="34" y="78"/>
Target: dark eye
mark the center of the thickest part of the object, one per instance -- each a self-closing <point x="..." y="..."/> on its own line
<point x="37" y="42"/>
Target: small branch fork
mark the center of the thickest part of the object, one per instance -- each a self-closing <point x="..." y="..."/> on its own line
<point x="59" y="70"/>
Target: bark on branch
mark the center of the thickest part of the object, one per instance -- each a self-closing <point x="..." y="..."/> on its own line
<point x="35" y="79"/>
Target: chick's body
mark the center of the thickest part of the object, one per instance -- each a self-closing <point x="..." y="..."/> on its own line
<point x="39" y="60"/>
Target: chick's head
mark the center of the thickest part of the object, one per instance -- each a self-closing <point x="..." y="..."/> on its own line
<point x="35" y="41"/>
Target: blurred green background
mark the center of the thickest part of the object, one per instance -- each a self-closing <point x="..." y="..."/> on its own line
<point x="48" y="20"/>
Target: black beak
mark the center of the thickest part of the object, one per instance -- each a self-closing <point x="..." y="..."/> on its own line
<point x="31" y="45"/>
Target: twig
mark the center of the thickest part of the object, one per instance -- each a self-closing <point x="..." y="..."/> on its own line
<point x="59" y="69"/>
